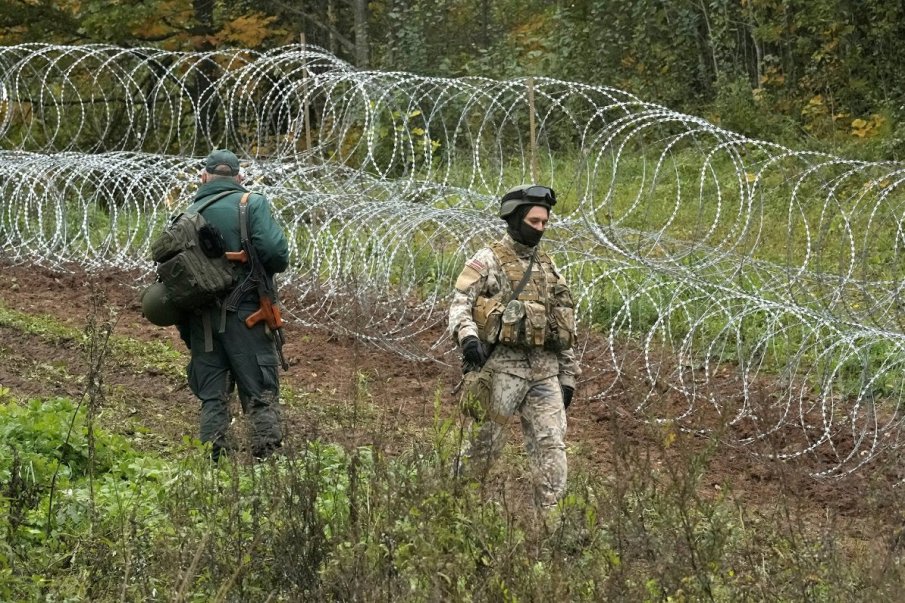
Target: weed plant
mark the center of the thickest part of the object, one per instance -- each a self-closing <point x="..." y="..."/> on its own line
<point x="325" y="522"/>
<point x="86" y="516"/>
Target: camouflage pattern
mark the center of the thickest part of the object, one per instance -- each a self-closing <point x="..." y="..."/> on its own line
<point x="483" y="276"/>
<point x="526" y="380"/>
<point x="543" y="418"/>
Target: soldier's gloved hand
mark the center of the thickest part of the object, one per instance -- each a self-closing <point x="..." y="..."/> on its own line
<point x="567" y="393"/>
<point x="473" y="351"/>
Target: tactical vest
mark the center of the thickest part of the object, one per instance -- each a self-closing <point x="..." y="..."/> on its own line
<point x="542" y="314"/>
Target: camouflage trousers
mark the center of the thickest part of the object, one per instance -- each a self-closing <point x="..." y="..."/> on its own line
<point x="241" y="358"/>
<point x="540" y="407"/>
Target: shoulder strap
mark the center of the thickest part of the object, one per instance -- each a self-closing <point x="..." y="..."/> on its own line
<point x="506" y="256"/>
<point x="243" y="218"/>
<point x="521" y="284"/>
<point x="213" y="200"/>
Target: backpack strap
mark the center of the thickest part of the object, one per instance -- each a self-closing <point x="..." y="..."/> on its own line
<point x="213" y="200"/>
<point x="208" y="337"/>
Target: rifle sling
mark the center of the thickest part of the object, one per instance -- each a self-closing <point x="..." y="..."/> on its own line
<point x="231" y="302"/>
<point x="253" y="265"/>
<point x="521" y="284"/>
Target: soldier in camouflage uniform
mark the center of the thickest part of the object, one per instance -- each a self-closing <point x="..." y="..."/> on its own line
<point x="225" y="352"/>
<point x="512" y="314"/>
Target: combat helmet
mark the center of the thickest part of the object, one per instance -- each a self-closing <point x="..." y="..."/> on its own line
<point x="526" y="194"/>
<point x="157" y="307"/>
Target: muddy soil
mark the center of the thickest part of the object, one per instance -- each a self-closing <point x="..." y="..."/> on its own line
<point x="354" y="393"/>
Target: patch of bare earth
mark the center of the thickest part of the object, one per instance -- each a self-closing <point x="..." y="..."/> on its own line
<point x="347" y="391"/>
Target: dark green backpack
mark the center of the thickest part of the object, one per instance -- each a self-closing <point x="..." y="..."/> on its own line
<point x="191" y="262"/>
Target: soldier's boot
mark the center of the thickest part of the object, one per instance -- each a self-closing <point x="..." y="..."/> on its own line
<point x="264" y="451"/>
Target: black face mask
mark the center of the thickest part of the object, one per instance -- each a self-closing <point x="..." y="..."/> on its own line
<point x="525" y="234"/>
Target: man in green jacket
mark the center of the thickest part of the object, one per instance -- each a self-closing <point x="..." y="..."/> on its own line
<point x="225" y="352"/>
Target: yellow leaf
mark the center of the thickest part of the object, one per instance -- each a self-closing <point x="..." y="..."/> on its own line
<point x="151" y="29"/>
<point x="669" y="439"/>
<point x="247" y="30"/>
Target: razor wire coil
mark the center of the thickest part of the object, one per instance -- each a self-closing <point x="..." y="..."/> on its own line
<point x="754" y="283"/>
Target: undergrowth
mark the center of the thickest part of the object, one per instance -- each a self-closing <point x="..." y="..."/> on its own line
<point x="87" y="516"/>
<point x="158" y="356"/>
<point x="324" y="522"/>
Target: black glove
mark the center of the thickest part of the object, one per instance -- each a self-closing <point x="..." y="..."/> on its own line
<point x="567" y="393"/>
<point x="473" y="352"/>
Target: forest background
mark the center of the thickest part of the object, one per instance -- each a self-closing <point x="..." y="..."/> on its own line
<point x="821" y="74"/>
<point x="109" y="499"/>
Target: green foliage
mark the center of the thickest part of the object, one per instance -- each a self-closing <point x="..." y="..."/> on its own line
<point x="753" y="65"/>
<point x="56" y="487"/>
<point x="334" y="523"/>
<point x="795" y="71"/>
<point x="740" y="108"/>
<point x="148" y="355"/>
<point x="172" y="24"/>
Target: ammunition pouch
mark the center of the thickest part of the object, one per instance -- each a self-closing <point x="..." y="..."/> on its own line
<point x="535" y="324"/>
<point x="560" y="334"/>
<point x="487" y="314"/>
<point x="512" y="330"/>
<point x="524" y="324"/>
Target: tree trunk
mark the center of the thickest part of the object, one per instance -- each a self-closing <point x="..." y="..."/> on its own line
<point x="362" y="46"/>
<point x="331" y="19"/>
<point x="204" y="19"/>
<point x="485" y="23"/>
<point x="207" y="73"/>
<point x="712" y="41"/>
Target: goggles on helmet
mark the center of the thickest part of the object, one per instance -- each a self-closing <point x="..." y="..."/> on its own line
<point x="544" y="195"/>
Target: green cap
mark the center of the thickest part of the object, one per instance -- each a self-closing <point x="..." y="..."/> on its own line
<point x="222" y="163"/>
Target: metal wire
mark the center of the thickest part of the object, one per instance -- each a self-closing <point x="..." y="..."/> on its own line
<point x="735" y="282"/>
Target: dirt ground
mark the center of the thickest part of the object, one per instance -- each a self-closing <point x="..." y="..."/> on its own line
<point x="354" y="393"/>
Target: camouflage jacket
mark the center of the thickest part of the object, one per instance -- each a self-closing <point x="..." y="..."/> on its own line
<point x="483" y="276"/>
